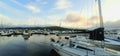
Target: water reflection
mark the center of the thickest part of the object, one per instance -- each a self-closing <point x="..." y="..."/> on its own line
<point x="36" y="45"/>
<point x="11" y="46"/>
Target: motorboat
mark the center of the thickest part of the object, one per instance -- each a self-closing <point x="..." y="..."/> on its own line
<point x="5" y="33"/>
<point x="26" y="35"/>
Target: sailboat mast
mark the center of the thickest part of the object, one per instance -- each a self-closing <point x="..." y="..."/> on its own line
<point x="60" y="24"/>
<point x="101" y="23"/>
<point x="100" y="14"/>
<point x="98" y="34"/>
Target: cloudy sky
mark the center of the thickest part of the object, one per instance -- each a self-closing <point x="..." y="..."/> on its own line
<point x="68" y="13"/>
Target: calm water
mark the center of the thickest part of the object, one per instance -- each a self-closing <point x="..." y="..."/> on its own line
<point x="36" y="45"/>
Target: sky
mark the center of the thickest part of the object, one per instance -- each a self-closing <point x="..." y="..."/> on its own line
<point x="68" y="13"/>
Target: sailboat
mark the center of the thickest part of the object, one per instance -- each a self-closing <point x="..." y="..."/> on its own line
<point x="75" y="47"/>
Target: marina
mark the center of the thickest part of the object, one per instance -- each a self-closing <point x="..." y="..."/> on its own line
<point x="37" y="44"/>
<point x="59" y="28"/>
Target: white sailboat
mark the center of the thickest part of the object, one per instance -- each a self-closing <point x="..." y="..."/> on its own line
<point x="80" y="48"/>
<point x="76" y="47"/>
<point x="108" y="43"/>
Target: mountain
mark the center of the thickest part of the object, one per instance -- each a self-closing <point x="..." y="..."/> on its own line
<point x="46" y="27"/>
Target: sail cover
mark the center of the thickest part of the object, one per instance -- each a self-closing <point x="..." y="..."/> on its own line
<point x="97" y="34"/>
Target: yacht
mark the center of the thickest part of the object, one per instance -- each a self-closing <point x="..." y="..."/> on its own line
<point x="113" y="34"/>
<point x="5" y="33"/>
<point x="26" y="35"/>
<point x="107" y="43"/>
<point x="73" y="47"/>
<point x="76" y="47"/>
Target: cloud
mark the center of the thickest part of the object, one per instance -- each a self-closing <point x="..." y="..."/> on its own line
<point x="94" y="20"/>
<point x="110" y="10"/>
<point x="44" y="3"/>
<point x="14" y="1"/>
<point x="30" y="21"/>
<point x="79" y="21"/>
<point x="51" y="20"/>
<point x="1" y="5"/>
<point x="53" y="17"/>
<point x="110" y="24"/>
<point x="75" y="22"/>
<point x="4" y="19"/>
<point x="38" y="0"/>
<point x="41" y="2"/>
<point x="33" y="8"/>
<point x="10" y="9"/>
<point x="35" y="21"/>
<point x="73" y="18"/>
<point x="63" y="4"/>
<point x="30" y="7"/>
<point x="7" y="21"/>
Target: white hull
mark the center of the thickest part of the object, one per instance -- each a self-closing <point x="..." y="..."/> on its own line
<point x="108" y="43"/>
<point x="67" y="51"/>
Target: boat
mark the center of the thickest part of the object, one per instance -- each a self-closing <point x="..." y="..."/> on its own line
<point x="108" y="43"/>
<point x="76" y="47"/>
<point x="26" y="35"/>
<point x="5" y="33"/>
<point x="113" y="34"/>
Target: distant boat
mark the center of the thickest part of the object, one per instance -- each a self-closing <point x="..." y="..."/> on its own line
<point x="26" y="35"/>
<point x="17" y="32"/>
<point x="113" y="34"/>
<point x="5" y="33"/>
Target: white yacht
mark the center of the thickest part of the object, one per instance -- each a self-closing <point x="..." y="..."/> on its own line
<point x="80" y="48"/>
<point x="5" y="33"/>
<point x="84" y="47"/>
<point x="107" y="43"/>
<point x="113" y="34"/>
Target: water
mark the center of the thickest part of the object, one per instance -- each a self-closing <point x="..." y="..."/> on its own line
<point x="36" y="45"/>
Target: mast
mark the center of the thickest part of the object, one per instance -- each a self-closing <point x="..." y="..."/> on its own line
<point x="101" y="23"/>
<point x="60" y="24"/>
<point x="2" y="24"/>
<point x="100" y="14"/>
<point x="98" y="34"/>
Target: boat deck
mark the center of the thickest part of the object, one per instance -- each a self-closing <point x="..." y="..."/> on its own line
<point x="82" y="51"/>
